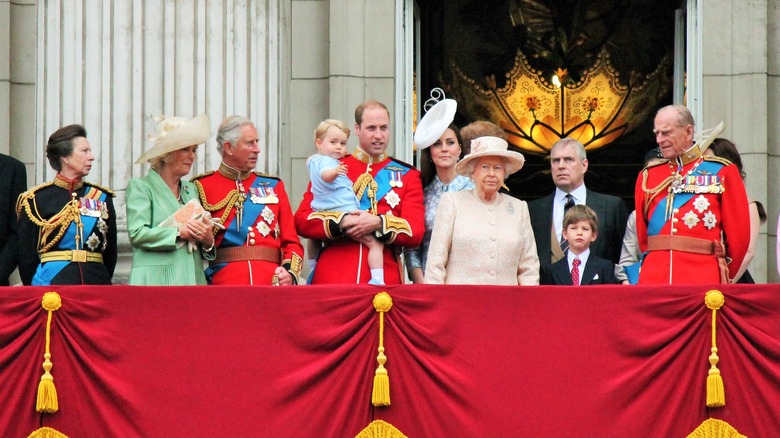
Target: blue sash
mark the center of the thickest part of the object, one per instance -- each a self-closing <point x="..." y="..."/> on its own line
<point x="237" y="236"/>
<point x="658" y="218"/>
<point x="47" y="271"/>
<point x="383" y="178"/>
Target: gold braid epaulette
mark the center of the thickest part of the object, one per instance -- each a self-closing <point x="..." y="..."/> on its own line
<point x="230" y="199"/>
<point x="68" y="214"/>
<point x="265" y="175"/>
<point x="202" y="175"/>
<point x="105" y="189"/>
<point x="720" y="160"/>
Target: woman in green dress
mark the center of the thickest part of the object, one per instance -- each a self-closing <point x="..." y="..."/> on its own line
<point x="169" y="247"/>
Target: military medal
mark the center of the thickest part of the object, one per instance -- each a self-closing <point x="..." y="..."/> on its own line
<point x="263" y="229"/>
<point x="392" y="199"/>
<point x="256" y="195"/>
<point x="395" y="179"/>
<point x="268" y="215"/>
<point x="677" y="183"/>
<point x="90" y="207"/>
<point x="272" y="195"/>
<point x="276" y="231"/>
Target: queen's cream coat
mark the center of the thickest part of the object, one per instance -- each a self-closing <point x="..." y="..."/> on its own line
<point x="477" y="243"/>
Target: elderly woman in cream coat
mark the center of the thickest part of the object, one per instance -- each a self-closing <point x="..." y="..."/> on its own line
<point x="163" y="254"/>
<point x="481" y="236"/>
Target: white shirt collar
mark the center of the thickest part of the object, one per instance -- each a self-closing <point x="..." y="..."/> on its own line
<point x="578" y="194"/>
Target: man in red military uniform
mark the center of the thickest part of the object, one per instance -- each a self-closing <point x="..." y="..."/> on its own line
<point x="259" y="244"/>
<point x="391" y="208"/>
<point x="692" y="210"/>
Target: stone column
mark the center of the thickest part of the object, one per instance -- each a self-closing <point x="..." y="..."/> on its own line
<point x="113" y="66"/>
<point x="735" y="91"/>
<point x="773" y="134"/>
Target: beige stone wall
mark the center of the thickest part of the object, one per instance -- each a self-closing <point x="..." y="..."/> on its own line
<point x="736" y="90"/>
<point x="18" y="32"/>
<point x="341" y="53"/>
<point x="772" y="136"/>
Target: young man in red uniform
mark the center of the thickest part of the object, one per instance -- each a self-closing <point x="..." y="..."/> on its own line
<point x="259" y="245"/>
<point x="692" y="210"/>
<point x="391" y="208"/>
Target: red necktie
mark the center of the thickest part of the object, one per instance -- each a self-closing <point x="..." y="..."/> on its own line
<point x="575" y="272"/>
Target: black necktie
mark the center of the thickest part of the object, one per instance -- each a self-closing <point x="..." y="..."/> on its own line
<point x="569" y="204"/>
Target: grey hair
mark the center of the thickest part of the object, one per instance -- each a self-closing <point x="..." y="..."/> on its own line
<point x="684" y="116"/>
<point x="472" y="165"/>
<point x="230" y="130"/>
<point x="570" y="141"/>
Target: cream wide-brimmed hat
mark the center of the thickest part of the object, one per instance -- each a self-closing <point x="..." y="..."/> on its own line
<point x="434" y="123"/>
<point x="490" y="147"/>
<point x="174" y="133"/>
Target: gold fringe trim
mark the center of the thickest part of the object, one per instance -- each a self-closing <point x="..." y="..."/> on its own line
<point x="380" y="429"/>
<point x="380" y="396"/>
<point x="716" y="396"/>
<point x="47" y="432"/>
<point x="47" y="392"/>
<point x="713" y="428"/>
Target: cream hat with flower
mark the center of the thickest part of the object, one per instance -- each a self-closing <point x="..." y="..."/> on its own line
<point x="490" y="147"/>
<point x="174" y="133"/>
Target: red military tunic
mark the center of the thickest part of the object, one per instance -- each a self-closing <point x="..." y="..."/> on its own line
<point x="688" y="204"/>
<point x="259" y="235"/>
<point x="399" y="203"/>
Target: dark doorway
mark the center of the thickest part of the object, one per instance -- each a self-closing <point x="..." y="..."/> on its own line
<point x="482" y="39"/>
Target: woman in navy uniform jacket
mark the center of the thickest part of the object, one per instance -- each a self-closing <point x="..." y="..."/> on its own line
<point x="67" y="227"/>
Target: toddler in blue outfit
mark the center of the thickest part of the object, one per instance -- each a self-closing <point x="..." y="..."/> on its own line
<point x="332" y="190"/>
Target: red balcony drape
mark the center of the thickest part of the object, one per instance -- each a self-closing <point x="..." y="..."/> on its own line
<point x="463" y="361"/>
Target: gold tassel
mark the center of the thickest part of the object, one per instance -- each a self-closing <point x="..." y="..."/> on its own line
<point x="716" y="396"/>
<point x="47" y="392"/>
<point x="380" y="396"/>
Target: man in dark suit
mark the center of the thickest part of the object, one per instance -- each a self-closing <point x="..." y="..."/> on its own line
<point x="569" y="163"/>
<point x="13" y="181"/>
<point x="580" y="267"/>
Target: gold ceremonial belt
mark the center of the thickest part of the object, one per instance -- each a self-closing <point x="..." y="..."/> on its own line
<point x="244" y="253"/>
<point x="78" y="255"/>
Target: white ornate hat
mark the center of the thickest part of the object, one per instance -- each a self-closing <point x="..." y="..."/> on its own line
<point x="436" y="120"/>
<point x="174" y="133"/>
<point x="490" y="147"/>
